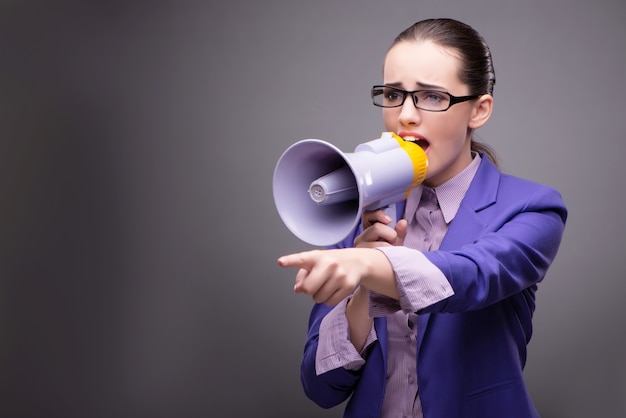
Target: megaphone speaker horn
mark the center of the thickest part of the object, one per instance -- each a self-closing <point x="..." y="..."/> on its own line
<point x="320" y="192"/>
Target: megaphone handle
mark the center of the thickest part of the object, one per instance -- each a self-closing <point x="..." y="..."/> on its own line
<point x="391" y="212"/>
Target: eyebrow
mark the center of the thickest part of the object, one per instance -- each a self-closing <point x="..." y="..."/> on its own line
<point x="419" y="85"/>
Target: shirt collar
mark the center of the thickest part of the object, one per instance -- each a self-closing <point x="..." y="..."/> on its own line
<point x="449" y="194"/>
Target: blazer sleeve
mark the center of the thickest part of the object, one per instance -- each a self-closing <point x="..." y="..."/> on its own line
<point x="335" y="386"/>
<point x="332" y="387"/>
<point x="517" y="239"/>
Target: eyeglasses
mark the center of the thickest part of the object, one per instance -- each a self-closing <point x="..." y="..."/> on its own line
<point x="430" y="100"/>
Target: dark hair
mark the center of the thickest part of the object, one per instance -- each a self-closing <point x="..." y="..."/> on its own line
<point x="476" y="68"/>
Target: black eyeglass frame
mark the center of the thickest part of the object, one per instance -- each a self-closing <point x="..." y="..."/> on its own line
<point x="453" y="99"/>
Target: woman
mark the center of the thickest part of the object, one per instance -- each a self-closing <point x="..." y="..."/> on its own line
<point x="432" y="318"/>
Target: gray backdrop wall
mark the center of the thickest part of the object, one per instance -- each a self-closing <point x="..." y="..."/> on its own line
<point x="138" y="234"/>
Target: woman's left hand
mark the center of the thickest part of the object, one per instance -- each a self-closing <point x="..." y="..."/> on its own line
<point x="328" y="275"/>
<point x="331" y="275"/>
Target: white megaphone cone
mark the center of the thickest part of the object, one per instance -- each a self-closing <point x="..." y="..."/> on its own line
<point x="320" y="192"/>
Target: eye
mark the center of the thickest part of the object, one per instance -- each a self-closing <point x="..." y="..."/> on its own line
<point x="432" y="97"/>
<point x="392" y="95"/>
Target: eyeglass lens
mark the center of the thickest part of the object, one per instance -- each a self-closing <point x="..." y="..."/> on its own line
<point x="423" y="99"/>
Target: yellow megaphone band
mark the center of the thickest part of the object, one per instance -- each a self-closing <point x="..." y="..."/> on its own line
<point x="419" y="159"/>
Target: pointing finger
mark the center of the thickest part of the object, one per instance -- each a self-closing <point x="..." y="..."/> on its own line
<point x="301" y="260"/>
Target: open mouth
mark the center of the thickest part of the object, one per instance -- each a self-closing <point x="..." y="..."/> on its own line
<point x="419" y="141"/>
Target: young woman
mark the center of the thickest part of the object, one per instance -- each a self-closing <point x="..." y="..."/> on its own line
<point x="432" y="318"/>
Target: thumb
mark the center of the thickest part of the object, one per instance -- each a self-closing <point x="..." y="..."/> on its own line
<point x="401" y="228"/>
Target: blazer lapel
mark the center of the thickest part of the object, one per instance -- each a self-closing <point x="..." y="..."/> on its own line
<point x="467" y="225"/>
<point x="380" y="325"/>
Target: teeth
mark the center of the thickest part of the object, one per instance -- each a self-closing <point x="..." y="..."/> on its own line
<point x="410" y="138"/>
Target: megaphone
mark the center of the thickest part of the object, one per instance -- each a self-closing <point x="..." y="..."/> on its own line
<point x="320" y="192"/>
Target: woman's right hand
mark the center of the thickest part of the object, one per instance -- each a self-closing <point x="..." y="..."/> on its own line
<point x="377" y="232"/>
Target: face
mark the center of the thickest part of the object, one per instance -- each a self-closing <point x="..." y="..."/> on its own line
<point x="445" y="136"/>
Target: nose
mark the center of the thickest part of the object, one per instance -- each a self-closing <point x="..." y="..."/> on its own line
<point x="409" y="114"/>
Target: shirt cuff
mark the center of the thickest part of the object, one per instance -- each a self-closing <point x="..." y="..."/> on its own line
<point x="334" y="348"/>
<point x="381" y="305"/>
<point x="420" y="283"/>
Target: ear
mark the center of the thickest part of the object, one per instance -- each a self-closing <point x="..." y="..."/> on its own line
<point x="481" y="111"/>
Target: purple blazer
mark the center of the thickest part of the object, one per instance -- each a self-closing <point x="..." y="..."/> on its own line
<point x="471" y="347"/>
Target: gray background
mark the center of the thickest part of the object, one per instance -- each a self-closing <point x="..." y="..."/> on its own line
<point x="138" y="234"/>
